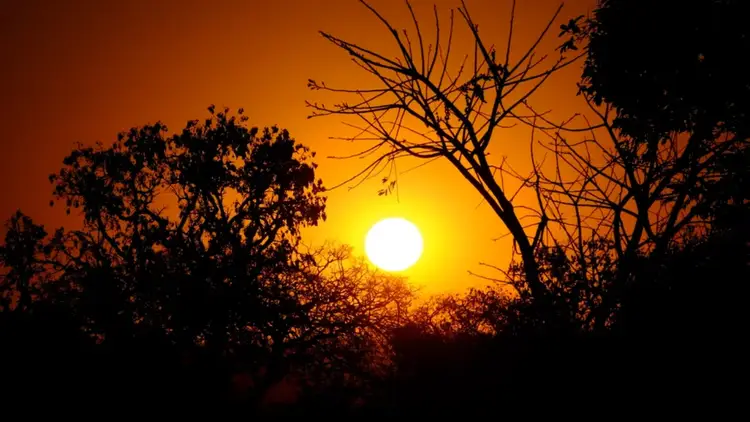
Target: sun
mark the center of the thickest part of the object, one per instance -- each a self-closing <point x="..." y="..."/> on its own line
<point x="393" y="244"/>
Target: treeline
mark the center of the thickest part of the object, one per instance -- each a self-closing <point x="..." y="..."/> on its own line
<point x="188" y="289"/>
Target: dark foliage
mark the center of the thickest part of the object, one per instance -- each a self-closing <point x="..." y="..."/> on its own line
<point x="671" y="66"/>
<point x="188" y="289"/>
<point x="188" y="280"/>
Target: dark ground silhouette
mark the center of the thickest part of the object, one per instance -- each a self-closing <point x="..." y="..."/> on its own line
<point x="217" y="307"/>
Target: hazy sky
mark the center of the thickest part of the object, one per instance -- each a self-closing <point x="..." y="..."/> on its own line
<point x="83" y="70"/>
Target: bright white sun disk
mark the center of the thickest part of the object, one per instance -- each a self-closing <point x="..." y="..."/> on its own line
<point x="394" y="244"/>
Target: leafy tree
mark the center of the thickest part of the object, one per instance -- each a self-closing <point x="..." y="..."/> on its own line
<point x="190" y="260"/>
<point x="19" y="280"/>
<point x="237" y="197"/>
<point x="677" y="68"/>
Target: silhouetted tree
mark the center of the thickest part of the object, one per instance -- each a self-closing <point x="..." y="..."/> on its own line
<point x="190" y="260"/>
<point x="426" y="106"/>
<point x="188" y="285"/>
<point x="337" y="337"/>
<point x="667" y="153"/>
<point x="21" y="270"/>
<point x="678" y="70"/>
<point x="191" y="230"/>
<point x="624" y="209"/>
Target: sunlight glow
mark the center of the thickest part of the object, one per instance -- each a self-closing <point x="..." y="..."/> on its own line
<point x="394" y="244"/>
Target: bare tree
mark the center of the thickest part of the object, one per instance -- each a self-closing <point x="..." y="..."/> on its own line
<point x="424" y="107"/>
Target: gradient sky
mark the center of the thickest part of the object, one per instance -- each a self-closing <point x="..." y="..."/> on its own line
<point x="83" y="70"/>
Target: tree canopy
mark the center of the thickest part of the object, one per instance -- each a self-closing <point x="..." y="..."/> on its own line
<point x="193" y="241"/>
<point x="676" y="68"/>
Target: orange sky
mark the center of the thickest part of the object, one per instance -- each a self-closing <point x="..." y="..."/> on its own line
<point x="83" y="70"/>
